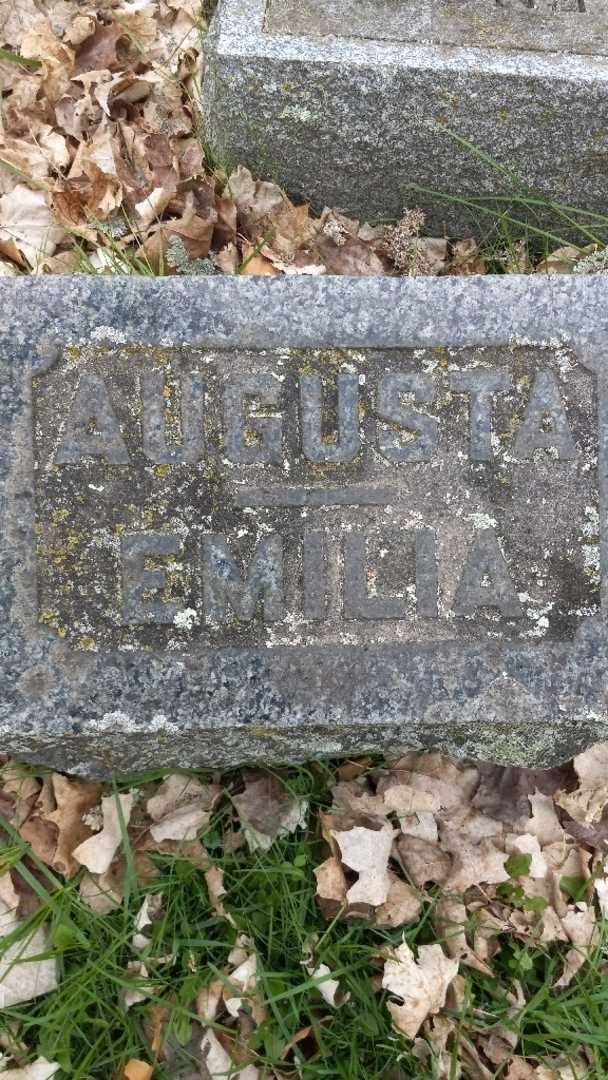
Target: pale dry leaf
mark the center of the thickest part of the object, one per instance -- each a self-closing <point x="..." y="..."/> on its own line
<point x="16" y="19"/>
<point x="208" y="1000"/>
<point x="520" y="1069"/>
<point x="176" y="790"/>
<point x="587" y="802"/>
<point x="562" y="1068"/>
<point x="421" y="984"/>
<point x="151" y="208"/>
<point x="141" y="990"/>
<point x="148" y="911"/>
<point x="9" y="897"/>
<point x="450" y="785"/>
<point x="97" y="852"/>
<point x="420" y="825"/>
<point x="99" y="892"/>
<point x="328" y="988"/>
<point x="28" y="232"/>
<point x="214" y="879"/>
<point x="23" y="978"/>
<point x="526" y="844"/>
<point x="219" y="1064"/>
<point x="580" y="925"/>
<point x="367" y="851"/>
<point x="544" y="823"/>
<point x="601" y="889"/>
<point x="403" y="905"/>
<point x="473" y="864"/>
<point x="185" y="823"/>
<point x="40" y="1069"/>
<point x="564" y="259"/>
<point x="240" y="991"/>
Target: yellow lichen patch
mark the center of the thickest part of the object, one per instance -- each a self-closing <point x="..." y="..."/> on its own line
<point x="86" y="643"/>
<point x="162" y="470"/>
<point x="50" y="618"/>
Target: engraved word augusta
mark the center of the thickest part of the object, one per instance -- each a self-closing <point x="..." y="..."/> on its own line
<point x="188" y="498"/>
<point x="539" y="25"/>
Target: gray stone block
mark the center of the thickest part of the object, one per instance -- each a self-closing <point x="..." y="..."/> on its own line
<point x="265" y="520"/>
<point x="350" y="102"/>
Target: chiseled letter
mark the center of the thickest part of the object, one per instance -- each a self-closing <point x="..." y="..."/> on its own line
<point x="358" y="603"/>
<point x="545" y="424"/>
<point x="225" y="586"/>
<point x="486" y="581"/>
<point x="251" y="439"/>
<point x="137" y="580"/>
<point x="156" y="448"/>
<point x="347" y="443"/>
<point x="390" y="408"/>
<point x="481" y="385"/>
<point x="314" y="574"/>
<point x="92" y="428"/>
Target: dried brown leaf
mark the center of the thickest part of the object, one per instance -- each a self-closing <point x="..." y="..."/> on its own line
<point x="267" y="810"/>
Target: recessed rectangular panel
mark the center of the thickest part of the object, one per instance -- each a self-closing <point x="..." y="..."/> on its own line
<point x="190" y="498"/>
<point x="540" y="25"/>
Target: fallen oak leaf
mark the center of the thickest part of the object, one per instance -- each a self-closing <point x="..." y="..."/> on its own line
<point x="402" y="905"/>
<point x="367" y="851"/>
<point x="580" y="925"/>
<point x="98" y="851"/>
<point x="422" y="984"/>
<point x="587" y="802"/>
<point x="28" y="232"/>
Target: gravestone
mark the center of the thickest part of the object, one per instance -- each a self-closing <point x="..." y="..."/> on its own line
<point x="350" y="102"/>
<point x="258" y="520"/>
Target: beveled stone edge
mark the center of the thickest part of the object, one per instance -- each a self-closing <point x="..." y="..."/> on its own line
<point x="237" y="31"/>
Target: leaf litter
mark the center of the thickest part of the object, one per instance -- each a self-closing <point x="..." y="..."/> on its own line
<point x="103" y="167"/>
<point x="464" y="863"/>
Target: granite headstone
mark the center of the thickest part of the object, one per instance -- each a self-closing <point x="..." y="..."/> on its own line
<point x="349" y="103"/>
<point x="259" y="520"/>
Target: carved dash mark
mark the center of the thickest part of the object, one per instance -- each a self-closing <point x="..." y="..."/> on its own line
<point x="556" y="5"/>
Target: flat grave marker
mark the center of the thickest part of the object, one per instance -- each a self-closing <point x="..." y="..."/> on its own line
<point x="251" y="520"/>
<point x="358" y="103"/>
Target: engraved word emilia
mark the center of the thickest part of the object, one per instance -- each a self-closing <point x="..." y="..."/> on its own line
<point x="201" y="496"/>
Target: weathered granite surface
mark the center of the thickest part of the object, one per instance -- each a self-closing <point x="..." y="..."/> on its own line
<point x="350" y="102"/>
<point x="268" y="520"/>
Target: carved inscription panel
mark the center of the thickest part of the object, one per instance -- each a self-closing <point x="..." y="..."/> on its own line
<point x="573" y="26"/>
<point x="192" y="498"/>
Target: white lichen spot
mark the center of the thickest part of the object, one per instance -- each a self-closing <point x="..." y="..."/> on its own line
<point x="186" y="619"/>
